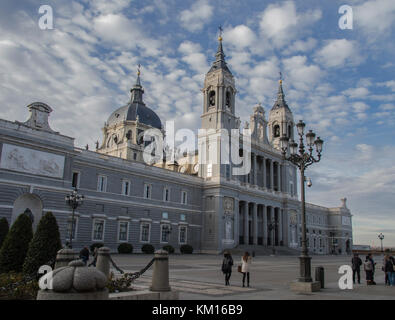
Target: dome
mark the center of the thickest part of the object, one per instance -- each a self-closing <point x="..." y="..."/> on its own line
<point x="130" y="112"/>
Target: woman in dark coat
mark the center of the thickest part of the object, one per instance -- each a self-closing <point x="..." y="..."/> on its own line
<point x="227" y="264"/>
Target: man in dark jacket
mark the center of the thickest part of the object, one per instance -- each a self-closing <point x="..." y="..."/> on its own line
<point x="370" y="257"/>
<point x="356" y="263"/>
<point x="84" y="255"/>
<point x="227" y="264"/>
<point x="389" y="269"/>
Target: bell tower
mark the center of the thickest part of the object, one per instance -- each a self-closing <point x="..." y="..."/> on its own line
<point x="219" y="94"/>
<point x="281" y="120"/>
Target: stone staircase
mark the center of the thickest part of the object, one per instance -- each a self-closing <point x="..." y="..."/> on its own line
<point x="264" y="251"/>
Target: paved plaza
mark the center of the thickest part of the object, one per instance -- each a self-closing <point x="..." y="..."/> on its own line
<point x="199" y="277"/>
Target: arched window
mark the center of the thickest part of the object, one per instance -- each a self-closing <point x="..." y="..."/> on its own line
<point x="211" y="98"/>
<point x="276" y="131"/>
<point x="228" y="99"/>
<point x="289" y="132"/>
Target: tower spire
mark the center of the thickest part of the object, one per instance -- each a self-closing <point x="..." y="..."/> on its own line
<point x="219" y="62"/>
<point x="137" y="90"/>
<point x="280" y="102"/>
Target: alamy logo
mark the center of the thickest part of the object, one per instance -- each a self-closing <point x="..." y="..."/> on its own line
<point x="346" y="20"/>
<point x="45" y="281"/>
<point x="46" y="20"/>
<point x="215" y="147"/>
<point x="345" y="281"/>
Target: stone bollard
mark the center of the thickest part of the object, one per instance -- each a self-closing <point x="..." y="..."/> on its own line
<point x="64" y="257"/>
<point x="103" y="261"/>
<point x="74" y="282"/>
<point x="160" y="274"/>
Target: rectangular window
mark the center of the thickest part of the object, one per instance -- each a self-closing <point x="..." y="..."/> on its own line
<point x="209" y="170"/>
<point x="184" y="197"/>
<point x="165" y="215"/>
<point x="126" y="187"/>
<point x="145" y="232"/>
<point x="123" y="231"/>
<point x="134" y="156"/>
<point x="147" y="191"/>
<point x="98" y="230"/>
<point x="102" y="183"/>
<point x="166" y="194"/>
<point x="76" y="180"/>
<point x="182" y="217"/>
<point x="165" y="232"/>
<point x="182" y="237"/>
<point x="69" y="228"/>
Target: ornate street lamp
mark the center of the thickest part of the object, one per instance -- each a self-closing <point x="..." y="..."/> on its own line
<point x="74" y="200"/>
<point x="381" y="237"/>
<point x="302" y="160"/>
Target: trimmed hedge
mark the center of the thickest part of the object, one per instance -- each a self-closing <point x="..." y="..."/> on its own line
<point x="14" y="249"/>
<point x="125" y="248"/>
<point x="4" y="228"/>
<point x="95" y="245"/>
<point x="44" y="245"/>
<point x="186" y="248"/>
<point x="148" y="248"/>
<point x="168" y="248"/>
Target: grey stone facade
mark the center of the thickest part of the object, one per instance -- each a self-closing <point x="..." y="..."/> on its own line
<point x="126" y="200"/>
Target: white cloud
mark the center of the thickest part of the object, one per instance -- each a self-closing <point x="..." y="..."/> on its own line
<point x="282" y="23"/>
<point x="197" y="16"/>
<point x="356" y="93"/>
<point x="125" y="33"/>
<point x="193" y="57"/>
<point x="300" y="74"/>
<point x="375" y="17"/>
<point x="301" y="46"/>
<point x="240" y="36"/>
<point x="339" y="52"/>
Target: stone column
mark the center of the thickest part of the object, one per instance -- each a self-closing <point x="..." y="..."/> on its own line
<point x="103" y="261"/>
<point x="255" y="223"/>
<point x="160" y="274"/>
<point x="286" y="235"/>
<point x="264" y="221"/>
<point x="264" y="172"/>
<point x="278" y="176"/>
<point x="280" y="226"/>
<point x="271" y="210"/>
<point x="271" y="174"/>
<point x="255" y="170"/>
<point x="245" y="212"/>
<point x="236" y="223"/>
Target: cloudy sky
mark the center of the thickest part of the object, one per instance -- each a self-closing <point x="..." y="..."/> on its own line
<point x="339" y="81"/>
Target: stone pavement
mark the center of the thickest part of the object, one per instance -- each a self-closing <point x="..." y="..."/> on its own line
<point x="199" y="277"/>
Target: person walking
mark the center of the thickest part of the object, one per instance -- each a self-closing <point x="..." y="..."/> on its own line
<point x="368" y="267"/>
<point x="84" y="255"/>
<point x="227" y="264"/>
<point x="389" y="270"/>
<point x="374" y="267"/>
<point x="356" y="267"/>
<point x="95" y="254"/>
<point x="245" y="267"/>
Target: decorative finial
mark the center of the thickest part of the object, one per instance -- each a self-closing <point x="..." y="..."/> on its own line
<point x="281" y="78"/>
<point x="138" y="69"/>
<point x="220" y="33"/>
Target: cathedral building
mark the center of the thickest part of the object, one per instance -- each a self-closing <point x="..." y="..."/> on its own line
<point x="172" y="201"/>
